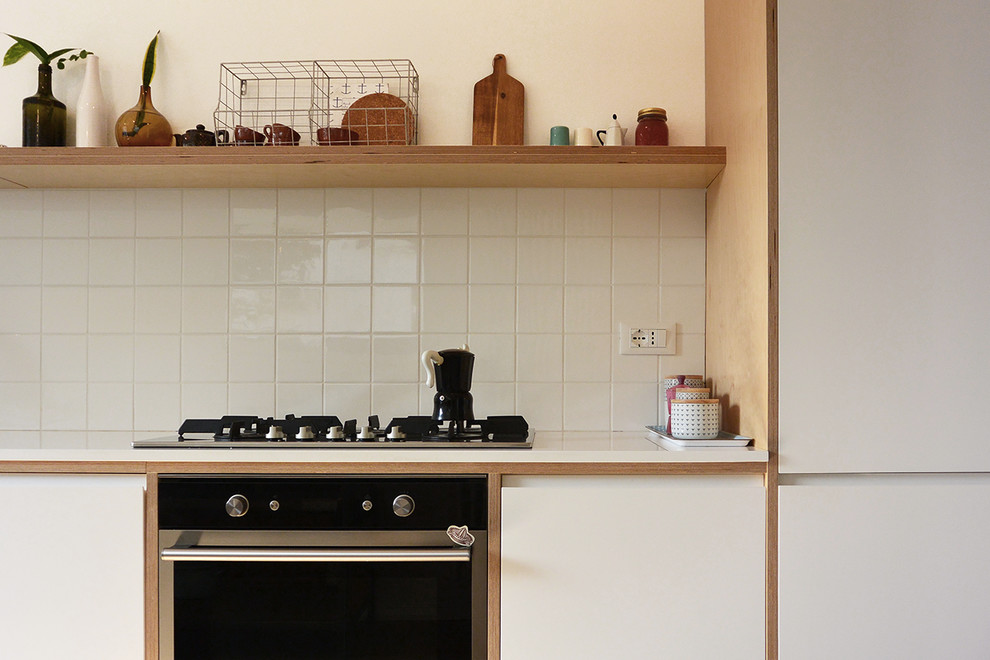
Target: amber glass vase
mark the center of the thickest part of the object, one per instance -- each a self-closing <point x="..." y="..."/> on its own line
<point x="44" y="115"/>
<point x="142" y="125"/>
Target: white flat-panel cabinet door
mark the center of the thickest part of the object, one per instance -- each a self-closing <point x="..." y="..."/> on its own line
<point x="633" y="567"/>
<point x="884" y="240"/>
<point x="72" y="567"/>
<point x="885" y="567"/>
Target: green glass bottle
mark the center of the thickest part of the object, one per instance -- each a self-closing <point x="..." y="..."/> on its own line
<point x="44" y="115"/>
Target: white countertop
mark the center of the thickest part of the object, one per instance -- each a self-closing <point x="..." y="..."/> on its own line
<point x="548" y="447"/>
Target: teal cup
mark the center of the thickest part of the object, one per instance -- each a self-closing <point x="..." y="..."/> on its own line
<point x="560" y="136"/>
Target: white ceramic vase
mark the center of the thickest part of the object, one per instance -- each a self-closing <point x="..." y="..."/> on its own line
<point x="91" y="113"/>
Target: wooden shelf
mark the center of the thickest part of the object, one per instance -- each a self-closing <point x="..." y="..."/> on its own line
<point x="360" y="167"/>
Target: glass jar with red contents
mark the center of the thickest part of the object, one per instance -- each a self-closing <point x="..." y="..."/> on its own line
<point x="652" y="127"/>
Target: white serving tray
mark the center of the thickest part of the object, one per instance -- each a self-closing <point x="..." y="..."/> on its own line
<point x="659" y="435"/>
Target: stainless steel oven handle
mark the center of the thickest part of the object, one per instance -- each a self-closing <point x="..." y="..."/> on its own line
<point x="225" y="553"/>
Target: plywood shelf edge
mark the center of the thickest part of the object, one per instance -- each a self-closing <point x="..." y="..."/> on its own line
<point x="334" y="167"/>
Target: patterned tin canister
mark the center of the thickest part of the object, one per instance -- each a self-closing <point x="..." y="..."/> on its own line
<point x="693" y="393"/>
<point x="694" y="419"/>
<point x="670" y="381"/>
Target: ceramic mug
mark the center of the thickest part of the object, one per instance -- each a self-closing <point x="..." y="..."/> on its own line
<point x="280" y="134"/>
<point x="335" y="135"/>
<point x="584" y="137"/>
<point x="245" y="136"/>
<point x="560" y="136"/>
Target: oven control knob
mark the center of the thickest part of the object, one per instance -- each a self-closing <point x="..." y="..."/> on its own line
<point x="237" y="506"/>
<point x="403" y="505"/>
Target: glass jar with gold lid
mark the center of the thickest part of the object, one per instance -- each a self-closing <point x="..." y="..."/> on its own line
<point x="651" y="128"/>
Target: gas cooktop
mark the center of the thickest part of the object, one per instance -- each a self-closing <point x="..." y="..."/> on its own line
<point x="328" y="432"/>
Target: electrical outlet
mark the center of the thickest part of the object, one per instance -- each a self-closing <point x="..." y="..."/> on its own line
<point x="646" y="339"/>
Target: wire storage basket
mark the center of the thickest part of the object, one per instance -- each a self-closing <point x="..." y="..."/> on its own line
<point x="373" y="102"/>
<point x="325" y="102"/>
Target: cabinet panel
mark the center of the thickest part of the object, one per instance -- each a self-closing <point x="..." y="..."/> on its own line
<point x="885" y="567"/>
<point x="883" y="235"/>
<point x="652" y="567"/>
<point x="72" y="567"/>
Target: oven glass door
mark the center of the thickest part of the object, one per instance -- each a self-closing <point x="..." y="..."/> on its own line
<point x="383" y="602"/>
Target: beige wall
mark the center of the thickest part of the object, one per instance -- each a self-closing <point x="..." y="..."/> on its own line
<point x="579" y="62"/>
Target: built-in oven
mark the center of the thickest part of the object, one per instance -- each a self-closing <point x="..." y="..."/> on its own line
<point x="349" y="568"/>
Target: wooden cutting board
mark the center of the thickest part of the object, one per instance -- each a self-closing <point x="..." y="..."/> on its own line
<point x="498" y="107"/>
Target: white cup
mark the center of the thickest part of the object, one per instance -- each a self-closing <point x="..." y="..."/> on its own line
<point x="584" y="137"/>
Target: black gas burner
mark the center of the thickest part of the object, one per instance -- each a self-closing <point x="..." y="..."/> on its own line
<point x="327" y="431"/>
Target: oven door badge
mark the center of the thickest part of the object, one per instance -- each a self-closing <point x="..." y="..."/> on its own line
<point x="460" y="535"/>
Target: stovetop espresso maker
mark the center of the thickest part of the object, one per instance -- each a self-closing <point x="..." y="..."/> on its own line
<point x="450" y="370"/>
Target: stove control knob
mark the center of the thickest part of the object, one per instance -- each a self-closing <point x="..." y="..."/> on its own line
<point x="275" y="433"/>
<point x="305" y="433"/>
<point x="395" y="433"/>
<point x="366" y="433"/>
<point x="335" y="433"/>
<point x="237" y="506"/>
<point x="403" y="505"/>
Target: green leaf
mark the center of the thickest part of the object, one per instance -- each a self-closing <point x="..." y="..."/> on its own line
<point x="14" y="54"/>
<point x="149" y="61"/>
<point x="30" y="47"/>
<point x="61" y="51"/>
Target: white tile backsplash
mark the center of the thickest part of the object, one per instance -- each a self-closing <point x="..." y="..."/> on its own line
<point x="587" y="261"/>
<point x="135" y="309"/>
<point x="206" y="212"/>
<point x="491" y="308"/>
<point x="540" y="211"/>
<point x="111" y="358"/>
<point x="204" y="261"/>
<point x="348" y="260"/>
<point x="66" y="213"/>
<point x="20" y="356"/>
<point x="65" y="262"/>
<point x="348" y="210"/>
<point x="300" y="212"/>
<point x="111" y="309"/>
<point x="253" y="212"/>
<point x="492" y="211"/>
<point x="444" y="211"/>
<point x="396" y="211"/>
<point x="299" y="309"/>
<point x="21" y="259"/>
<point x="63" y="406"/>
<point x="63" y="358"/>
<point x="112" y="213"/>
<point x="492" y="260"/>
<point x="158" y="261"/>
<point x="111" y="262"/>
<point x="21" y="213"/>
<point x="64" y="309"/>
<point x="158" y="213"/>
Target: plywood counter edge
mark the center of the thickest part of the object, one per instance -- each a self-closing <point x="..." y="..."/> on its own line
<point x="375" y="467"/>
